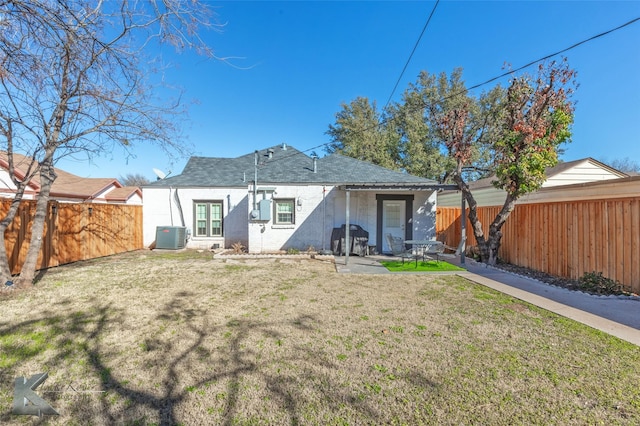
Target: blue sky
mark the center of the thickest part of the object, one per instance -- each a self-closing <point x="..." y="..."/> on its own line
<point x="296" y="62"/>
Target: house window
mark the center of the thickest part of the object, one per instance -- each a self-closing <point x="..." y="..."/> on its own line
<point x="207" y="217"/>
<point x="284" y="212"/>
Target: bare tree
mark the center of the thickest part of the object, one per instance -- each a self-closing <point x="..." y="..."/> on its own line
<point x="134" y="179"/>
<point x="75" y="77"/>
<point x="626" y="164"/>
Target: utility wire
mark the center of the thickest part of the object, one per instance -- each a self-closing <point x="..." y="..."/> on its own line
<point x="573" y="46"/>
<point x="553" y="54"/>
<point x="412" y="52"/>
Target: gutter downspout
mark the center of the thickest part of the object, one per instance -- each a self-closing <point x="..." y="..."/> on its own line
<point x="255" y="181"/>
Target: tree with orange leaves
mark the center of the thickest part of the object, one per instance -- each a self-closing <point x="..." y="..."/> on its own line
<point x="523" y="130"/>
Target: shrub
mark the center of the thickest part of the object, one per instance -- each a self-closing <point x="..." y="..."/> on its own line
<point x="238" y="248"/>
<point x="595" y="282"/>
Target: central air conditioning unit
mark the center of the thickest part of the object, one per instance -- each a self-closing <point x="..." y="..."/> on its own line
<point x="171" y="237"/>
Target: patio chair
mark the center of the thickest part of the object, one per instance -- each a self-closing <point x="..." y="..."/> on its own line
<point x="398" y="248"/>
<point x="436" y="250"/>
<point x="457" y="251"/>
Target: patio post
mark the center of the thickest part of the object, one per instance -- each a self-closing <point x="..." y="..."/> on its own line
<point x="346" y="230"/>
<point x="463" y="227"/>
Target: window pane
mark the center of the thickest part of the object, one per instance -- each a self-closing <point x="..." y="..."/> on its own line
<point x="393" y="219"/>
<point x="216" y="228"/>
<point x="201" y="220"/>
<point x="216" y="211"/>
<point x="207" y="218"/>
<point x="216" y="219"/>
<point x="201" y="228"/>
<point x="201" y="211"/>
<point x="284" y="211"/>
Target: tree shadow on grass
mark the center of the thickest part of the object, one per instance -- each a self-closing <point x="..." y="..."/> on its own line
<point x="221" y="355"/>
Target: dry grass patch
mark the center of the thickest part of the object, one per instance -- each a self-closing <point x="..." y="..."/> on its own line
<point x="181" y="338"/>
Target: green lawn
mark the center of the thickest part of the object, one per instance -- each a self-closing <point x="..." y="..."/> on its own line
<point x="422" y="266"/>
<point x="161" y="338"/>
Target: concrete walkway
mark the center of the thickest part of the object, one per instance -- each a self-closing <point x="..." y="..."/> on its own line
<point x="618" y="316"/>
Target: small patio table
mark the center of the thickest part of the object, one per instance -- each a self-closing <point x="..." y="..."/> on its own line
<point x="423" y="246"/>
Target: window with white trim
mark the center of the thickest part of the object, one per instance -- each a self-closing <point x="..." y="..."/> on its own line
<point x="284" y="212"/>
<point x="207" y="218"/>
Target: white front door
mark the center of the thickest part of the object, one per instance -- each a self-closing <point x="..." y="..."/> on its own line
<point x="393" y="217"/>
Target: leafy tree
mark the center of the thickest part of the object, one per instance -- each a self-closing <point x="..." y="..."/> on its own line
<point x="441" y="131"/>
<point x="527" y="127"/>
<point x="421" y="155"/>
<point x="134" y="179"/>
<point x="74" y="78"/>
<point x="358" y="133"/>
<point x="428" y="99"/>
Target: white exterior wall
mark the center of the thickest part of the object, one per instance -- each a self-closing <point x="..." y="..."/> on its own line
<point x="318" y="209"/>
<point x="161" y="209"/>
<point x="581" y="173"/>
<point x="484" y="197"/>
<point x="135" y="200"/>
<point x="424" y="215"/>
<point x="601" y="190"/>
<point x="5" y="180"/>
<point x="362" y="211"/>
<point x="315" y="219"/>
<point x="7" y="187"/>
<point x="310" y="227"/>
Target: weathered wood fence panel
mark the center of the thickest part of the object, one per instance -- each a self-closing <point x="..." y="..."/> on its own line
<point x="74" y="231"/>
<point x="566" y="239"/>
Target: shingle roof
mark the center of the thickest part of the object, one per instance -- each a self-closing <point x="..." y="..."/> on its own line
<point x="66" y="184"/>
<point x="285" y="166"/>
<point x="70" y="185"/>
<point x="123" y="194"/>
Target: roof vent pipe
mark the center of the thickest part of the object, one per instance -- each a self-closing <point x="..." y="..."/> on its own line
<point x="270" y="153"/>
<point x="284" y="146"/>
<point x="315" y="164"/>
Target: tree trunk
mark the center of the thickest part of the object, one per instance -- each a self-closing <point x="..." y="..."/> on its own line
<point x="476" y="225"/>
<point x="488" y="246"/>
<point x="5" y="269"/>
<point x="47" y="177"/>
<point x="495" y="229"/>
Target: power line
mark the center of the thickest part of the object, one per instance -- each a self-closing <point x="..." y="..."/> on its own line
<point x="544" y="58"/>
<point x="412" y="52"/>
<point x="573" y="46"/>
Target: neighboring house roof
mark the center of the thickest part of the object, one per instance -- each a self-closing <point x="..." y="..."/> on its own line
<point x="72" y="186"/>
<point x="566" y="173"/>
<point x="283" y="166"/>
<point x="68" y="185"/>
<point x="123" y="194"/>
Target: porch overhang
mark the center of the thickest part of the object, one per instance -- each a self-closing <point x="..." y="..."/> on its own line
<point x="397" y="187"/>
<point x="391" y="187"/>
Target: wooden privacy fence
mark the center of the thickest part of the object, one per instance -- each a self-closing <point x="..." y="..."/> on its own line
<point x="566" y="239"/>
<point x="73" y="231"/>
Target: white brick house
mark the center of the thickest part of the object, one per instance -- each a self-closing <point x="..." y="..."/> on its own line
<point x="296" y="203"/>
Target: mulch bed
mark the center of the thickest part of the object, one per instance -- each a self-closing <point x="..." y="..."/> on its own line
<point x="567" y="283"/>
